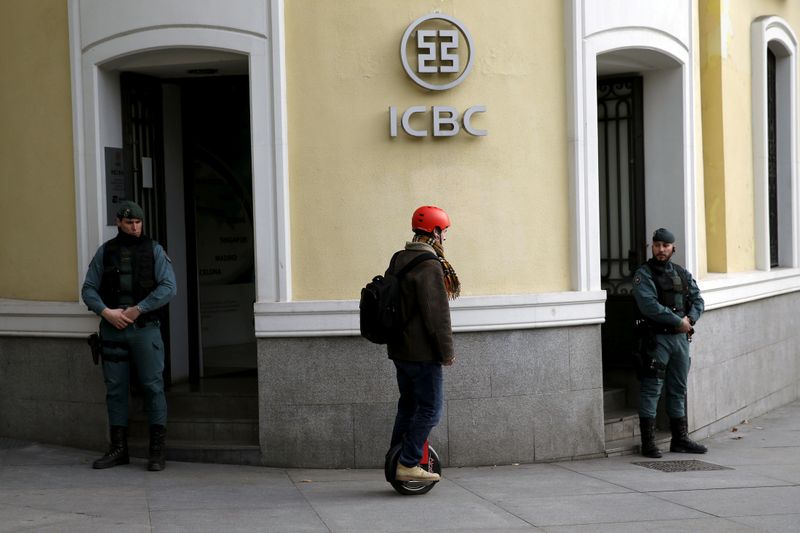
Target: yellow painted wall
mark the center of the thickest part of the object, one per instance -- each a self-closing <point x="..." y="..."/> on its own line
<point x="727" y="122"/>
<point x="713" y="128"/>
<point x="353" y="188"/>
<point x="37" y="198"/>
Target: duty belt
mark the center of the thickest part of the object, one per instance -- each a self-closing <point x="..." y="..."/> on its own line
<point x="668" y="330"/>
<point x="144" y="321"/>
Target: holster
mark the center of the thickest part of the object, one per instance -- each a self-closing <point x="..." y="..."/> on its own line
<point x="96" y="344"/>
<point x="644" y="364"/>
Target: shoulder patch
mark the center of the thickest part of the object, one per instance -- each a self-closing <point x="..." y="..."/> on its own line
<point x="637" y="279"/>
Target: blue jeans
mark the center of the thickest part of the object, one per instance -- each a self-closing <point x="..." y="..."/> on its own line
<point x="672" y="351"/>
<point x="419" y="408"/>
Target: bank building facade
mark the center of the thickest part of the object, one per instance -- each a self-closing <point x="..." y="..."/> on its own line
<point x="279" y="147"/>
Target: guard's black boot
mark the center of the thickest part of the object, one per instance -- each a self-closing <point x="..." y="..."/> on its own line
<point x="648" y="430"/>
<point x="117" y="453"/>
<point x="157" y="453"/>
<point x="681" y="443"/>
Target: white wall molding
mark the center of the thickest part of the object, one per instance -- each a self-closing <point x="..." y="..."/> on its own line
<point x="104" y="20"/>
<point x="774" y="33"/>
<point x="724" y="290"/>
<point x="334" y="317"/>
<point x="99" y="33"/>
<point x="280" y="154"/>
<point x="46" y="319"/>
<point x="470" y="313"/>
<point x="593" y="29"/>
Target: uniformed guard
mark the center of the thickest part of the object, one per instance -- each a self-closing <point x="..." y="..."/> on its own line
<point x="670" y="304"/>
<point x="129" y="280"/>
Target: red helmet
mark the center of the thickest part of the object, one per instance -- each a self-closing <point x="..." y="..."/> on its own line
<point x="429" y="217"/>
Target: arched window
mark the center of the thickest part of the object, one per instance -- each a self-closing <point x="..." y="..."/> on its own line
<point x="774" y="78"/>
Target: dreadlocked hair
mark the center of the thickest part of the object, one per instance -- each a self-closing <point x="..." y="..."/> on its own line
<point x="452" y="285"/>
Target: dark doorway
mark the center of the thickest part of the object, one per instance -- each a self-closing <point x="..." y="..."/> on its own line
<point x="143" y="164"/>
<point x="187" y="160"/>
<point x="214" y="133"/>
<point x="623" y="241"/>
<point x="219" y="211"/>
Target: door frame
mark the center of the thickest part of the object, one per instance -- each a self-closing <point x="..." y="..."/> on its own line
<point x="670" y="58"/>
<point x="95" y="90"/>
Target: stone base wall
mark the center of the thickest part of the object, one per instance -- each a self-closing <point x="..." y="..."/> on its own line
<point x="745" y="362"/>
<point x="511" y="397"/>
<point x="50" y="391"/>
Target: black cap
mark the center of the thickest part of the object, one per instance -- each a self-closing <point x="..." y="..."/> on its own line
<point x="663" y="235"/>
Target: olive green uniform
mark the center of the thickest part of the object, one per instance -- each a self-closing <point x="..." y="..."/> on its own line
<point x="663" y="309"/>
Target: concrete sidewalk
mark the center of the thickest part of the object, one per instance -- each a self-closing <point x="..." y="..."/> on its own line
<point x="47" y="488"/>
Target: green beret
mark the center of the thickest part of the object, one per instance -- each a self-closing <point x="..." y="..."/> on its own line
<point x="663" y="235"/>
<point x="128" y="209"/>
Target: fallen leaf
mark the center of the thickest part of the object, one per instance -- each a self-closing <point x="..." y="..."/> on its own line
<point x="306" y="481"/>
<point x="734" y="429"/>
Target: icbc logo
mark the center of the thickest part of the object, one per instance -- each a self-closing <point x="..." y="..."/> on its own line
<point x="437" y="54"/>
<point x="438" y="51"/>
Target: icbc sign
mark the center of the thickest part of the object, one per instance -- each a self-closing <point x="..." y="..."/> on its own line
<point x="437" y="54"/>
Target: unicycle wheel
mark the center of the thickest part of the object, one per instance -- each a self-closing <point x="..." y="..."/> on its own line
<point x="411" y="488"/>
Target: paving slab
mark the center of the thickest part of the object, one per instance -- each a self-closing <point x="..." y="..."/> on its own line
<point x="650" y="480"/>
<point x="54" y="489"/>
<point x="30" y="453"/>
<point x="692" y="525"/>
<point x="736" y="457"/>
<point x="124" y="503"/>
<point x="380" y="509"/>
<point x="21" y="518"/>
<point x="303" y="520"/>
<point x="784" y="473"/>
<point x="771" y="524"/>
<point x="506" y="482"/>
<point x="596" y="509"/>
<point x="90" y="524"/>
<point x="752" y="501"/>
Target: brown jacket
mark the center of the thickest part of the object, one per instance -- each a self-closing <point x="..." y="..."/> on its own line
<point x="428" y="335"/>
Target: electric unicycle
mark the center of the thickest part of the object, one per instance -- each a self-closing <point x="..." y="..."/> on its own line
<point x="430" y="462"/>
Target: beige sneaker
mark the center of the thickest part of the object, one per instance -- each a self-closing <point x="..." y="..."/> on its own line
<point x="414" y="473"/>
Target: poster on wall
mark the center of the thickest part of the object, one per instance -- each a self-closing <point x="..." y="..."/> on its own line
<point x="115" y="183"/>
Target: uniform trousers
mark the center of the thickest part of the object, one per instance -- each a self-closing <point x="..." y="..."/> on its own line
<point x="671" y="350"/>
<point x="144" y="348"/>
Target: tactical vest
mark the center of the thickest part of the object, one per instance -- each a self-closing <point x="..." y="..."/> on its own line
<point x="128" y="273"/>
<point x="672" y="287"/>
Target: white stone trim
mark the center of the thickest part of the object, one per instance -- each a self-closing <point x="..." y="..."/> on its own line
<point x="584" y="211"/>
<point x="763" y="31"/>
<point x="81" y="221"/>
<point x="332" y="318"/>
<point x="280" y="151"/>
<point x="268" y="135"/>
<point x="593" y="30"/>
<point x="45" y="319"/>
<point x="724" y="290"/>
<point x="470" y="313"/>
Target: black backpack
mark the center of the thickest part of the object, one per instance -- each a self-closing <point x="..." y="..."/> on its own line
<point x="380" y="307"/>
